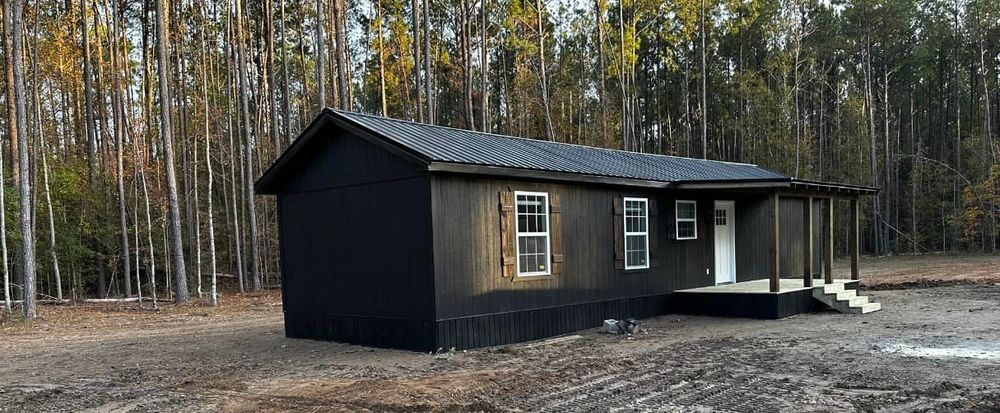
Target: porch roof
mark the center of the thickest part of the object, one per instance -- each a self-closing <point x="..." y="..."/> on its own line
<point x="793" y="186"/>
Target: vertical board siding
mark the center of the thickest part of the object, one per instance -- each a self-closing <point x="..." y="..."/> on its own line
<point x="791" y="241"/>
<point x="467" y="262"/>
<point x="753" y="235"/>
<point x="356" y="266"/>
<point x="353" y="251"/>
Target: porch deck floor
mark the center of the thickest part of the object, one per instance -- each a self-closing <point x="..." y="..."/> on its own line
<point x="760" y="286"/>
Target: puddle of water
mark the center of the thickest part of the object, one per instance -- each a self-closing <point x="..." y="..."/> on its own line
<point x="983" y="351"/>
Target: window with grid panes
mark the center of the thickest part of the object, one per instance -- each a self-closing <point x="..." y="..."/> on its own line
<point x="532" y="233"/>
<point x="636" y="233"/>
<point x="687" y="219"/>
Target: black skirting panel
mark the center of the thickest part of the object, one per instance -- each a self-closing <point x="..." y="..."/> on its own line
<point x="750" y="305"/>
<point x="513" y="327"/>
<point x="470" y="332"/>
<point x="375" y="332"/>
<point x="517" y="326"/>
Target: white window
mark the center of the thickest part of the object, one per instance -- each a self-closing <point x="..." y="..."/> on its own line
<point x="686" y="213"/>
<point x="532" y="233"/>
<point x="636" y="233"/>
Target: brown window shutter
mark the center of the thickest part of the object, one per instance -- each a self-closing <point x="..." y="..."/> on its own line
<point x="555" y="232"/>
<point x="618" y="216"/>
<point x="654" y="234"/>
<point x="508" y="234"/>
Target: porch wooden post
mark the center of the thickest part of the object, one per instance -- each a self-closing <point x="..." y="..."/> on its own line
<point x="855" y="239"/>
<point x="775" y="254"/>
<point x="807" y="240"/>
<point x="828" y="264"/>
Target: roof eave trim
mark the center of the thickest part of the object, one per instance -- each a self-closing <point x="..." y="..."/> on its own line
<point x="502" y="171"/>
<point x="787" y="185"/>
<point x="736" y="184"/>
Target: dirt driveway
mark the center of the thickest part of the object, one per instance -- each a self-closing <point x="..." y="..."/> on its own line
<point x="929" y="349"/>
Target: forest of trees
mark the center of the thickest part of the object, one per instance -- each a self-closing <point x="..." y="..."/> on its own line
<point x="132" y="131"/>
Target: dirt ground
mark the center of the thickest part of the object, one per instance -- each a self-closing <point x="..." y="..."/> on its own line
<point x="929" y="349"/>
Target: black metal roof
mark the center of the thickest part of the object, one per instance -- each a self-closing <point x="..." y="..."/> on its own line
<point x="444" y="149"/>
<point x="451" y="145"/>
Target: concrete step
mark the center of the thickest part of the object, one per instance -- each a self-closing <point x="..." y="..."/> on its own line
<point x="865" y="308"/>
<point x="843" y="300"/>
<point x="858" y="300"/>
<point x="845" y="295"/>
<point x="833" y="288"/>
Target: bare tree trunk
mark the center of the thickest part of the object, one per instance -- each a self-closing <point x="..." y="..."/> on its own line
<point x="465" y="44"/>
<point x="180" y="272"/>
<point x="623" y="80"/>
<point x="118" y="114"/>
<point x="149" y="238"/>
<point x="485" y="70"/>
<point x="429" y="80"/>
<point x="16" y="11"/>
<point x="12" y="132"/>
<point x="138" y="253"/>
<point x="795" y="92"/>
<point x="988" y="128"/>
<point x="320" y="42"/>
<point x="272" y="100"/>
<point x="542" y="75"/>
<point x="914" y="175"/>
<point x="704" y="86"/>
<point x="415" y="23"/>
<point x="237" y="237"/>
<point x="247" y="146"/>
<point x="213" y="298"/>
<point x="88" y="91"/>
<point x="90" y="125"/>
<point x="873" y="158"/>
<point x="287" y="112"/>
<point x="340" y="32"/>
<point x="52" y="227"/>
<point x="601" y="70"/>
<point x="888" y="155"/>
<point x="381" y="59"/>
<point x="13" y="128"/>
<point x="213" y="292"/>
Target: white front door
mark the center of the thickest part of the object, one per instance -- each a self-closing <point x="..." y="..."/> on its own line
<point x="725" y="242"/>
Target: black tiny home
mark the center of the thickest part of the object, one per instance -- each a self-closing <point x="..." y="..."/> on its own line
<point x="400" y="234"/>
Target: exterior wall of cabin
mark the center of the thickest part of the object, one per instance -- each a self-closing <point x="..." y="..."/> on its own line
<point x="476" y="306"/>
<point x="354" y="224"/>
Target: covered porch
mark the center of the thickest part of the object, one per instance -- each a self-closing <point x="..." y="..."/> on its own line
<point x="794" y="260"/>
<point x="811" y="194"/>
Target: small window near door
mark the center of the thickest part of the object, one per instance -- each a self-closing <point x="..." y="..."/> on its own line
<point x="636" y="233"/>
<point x="720" y="217"/>
<point x="687" y="219"/>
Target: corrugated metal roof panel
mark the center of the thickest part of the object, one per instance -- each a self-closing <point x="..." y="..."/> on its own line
<point x="444" y="144"/>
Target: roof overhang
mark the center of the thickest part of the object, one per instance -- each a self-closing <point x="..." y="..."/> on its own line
<point x="792" y="186"/>
<point x="485" y="170"/>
